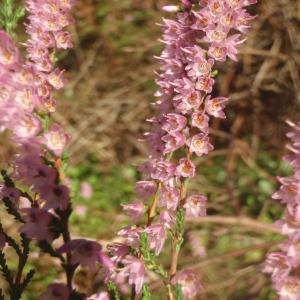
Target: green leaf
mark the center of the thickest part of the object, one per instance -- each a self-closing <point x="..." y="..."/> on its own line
<point x="10" y="15"/>
<point x="113" y="290"/>
<point x="177" y="292"/>
<point x="146" y="294"/>
<point x="149" y="257"/>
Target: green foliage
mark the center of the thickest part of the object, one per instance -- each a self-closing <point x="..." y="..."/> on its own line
<point x="177" y="292"/>
<point x="10" y="15"/>
<point x="179" y="228"/>
<point x="146" y="294"/>
<point x="113" y="291"/>
<point x="149" y="257"/>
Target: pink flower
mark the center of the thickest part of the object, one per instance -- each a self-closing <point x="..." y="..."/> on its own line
<point x="55" y="78"/>
<point x="156" y="237"/>
<point x="63" y="39"/>
<point x="100" y="296"/>
<point x="195" y="206"/>
<point x="186" y="168"/>
<point x="200" y="67"/>
<point x="171" y="8"/>
<point x="289" y="189"/>
<point x="215" y="106"/>
<point x="216" y="34"/>
<point x="173" y="141"/>
<point x="56" y="140"/>
<point x="167" y="219"/>
<point x="9" y="53"/>
<point x="80" y="210"/>
<point x="134" y="210"/>
<point x="279" y="265"/>
<point x="174" y="122"/>
<point x="289" y="289"/>
<point x="38" y="175"/>
<point x="216" y="7"/>
<point x="200" y="144"/>
<point x="56" y="291"/>
<point x="37" y="224"/>
<point x="205" y="83"/>
<point x="27" y="126"/>
<point x="163" y="170"/>
<point x="169" y="197"/>
<point x="187" y="4"/>
<point x="131" y="236"/>
<point x="84" y="252"/>
<point x="145" y="189"/>
<point x="189" y="283"/>
<point x="55" y="196"/>
<point x="200" y="120"/>
<point x="86" y="190"/>
<point x="118" y="251"/>
<point x="134" y="269"/>
<point x="218" y="52"/>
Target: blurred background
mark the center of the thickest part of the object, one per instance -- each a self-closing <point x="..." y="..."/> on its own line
<point x="104" y="107"/>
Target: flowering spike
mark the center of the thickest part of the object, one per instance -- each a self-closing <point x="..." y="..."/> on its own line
<point x="284" y="265"/>
<point x="194" y="42"/>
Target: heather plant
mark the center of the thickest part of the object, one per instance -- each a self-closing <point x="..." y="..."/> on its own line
<point x="283" y="265"/>
<point x="35" y="190"/>
<point x="203" y="34"/>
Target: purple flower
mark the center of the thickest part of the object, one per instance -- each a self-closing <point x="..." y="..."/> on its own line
<point x="186" y="168"/>
<point x="189" y="283"/>
<point x="289" y="289"/>
<point x="118" y="251"/>
<point x="86" y="190"/>
<point x="163" y="170"/>
<point x="84" y="252"/>
<point x="134" y="210"/>
<point x="99" y="296"/>
<point x="279" y="265"/>
<point x="214" y="107"/>
<point x="156" y="237"/>
<point x="195" y="206"/>
<point x="37" y="224"/>
<point x="173" y="141"/>
<point x="131" y="236"/>
<point x="169" y="197"/>
<point x="174" y="122"/>
<point x="145" y="189"/>
<point x="9" y="53"/>
<point x="200" y="144"/>
<point x="134" y="269"/>
<point x="200" y="120"/>
<point x="55" y="291"/>
<point x="55" y="196"/>
<point x="167" y="219"/>
<point x="56" y="140"/>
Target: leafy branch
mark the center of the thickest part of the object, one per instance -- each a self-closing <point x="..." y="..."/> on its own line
<point x="149" y="257"/>
<point x="10" y="15"/>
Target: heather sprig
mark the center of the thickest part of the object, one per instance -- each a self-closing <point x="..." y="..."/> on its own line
<point x="26" y="104"/>
<point x="10" y="15"/>
<point x="284" y="264"/>
<point x="203" y="34"/>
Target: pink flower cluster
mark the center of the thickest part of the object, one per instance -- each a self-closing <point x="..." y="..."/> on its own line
<point x="26" y="102"/>
<point x="26" y="98"/>
<point x="284" y="265"/>
<point x="194" y="43"/>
